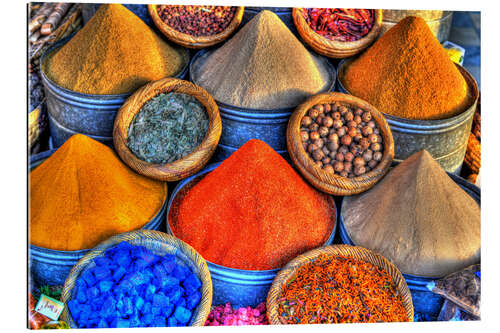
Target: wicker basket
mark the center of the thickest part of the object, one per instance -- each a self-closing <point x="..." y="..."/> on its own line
<point x="161" y="244"/>
<point x="184" y="167"/>
<point x="355" y="252"/>
<point x="194" y="42"/>
<point x="329" y="182"/>
<point x="332" y="48"/>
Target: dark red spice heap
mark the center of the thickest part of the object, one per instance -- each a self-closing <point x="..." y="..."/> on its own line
<point x="340" y="24"/>
<point x="336" y="289"/>
<point x="197" y="20"/>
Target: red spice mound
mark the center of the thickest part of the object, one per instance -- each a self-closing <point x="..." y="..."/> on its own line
<point x="254" y="212"/>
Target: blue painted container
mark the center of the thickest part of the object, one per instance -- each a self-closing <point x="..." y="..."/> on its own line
<point x="425" y="302"/>
<point x="51" y="267"/>
<point x="240" y="125"/>
<point x="284" y="13"/>
<point x="83" y="113"/>
<point x="239" y="287"/>
<point x="445" y="139"/>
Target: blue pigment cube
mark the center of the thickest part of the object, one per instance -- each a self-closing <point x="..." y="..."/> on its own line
<point x="192" y="283"/>
<point x="156" y="310"/>
<point x="102" y="324"/>
<point x="147" y="308"/>
<point x="181" y="302"/>
<point x="168" y="264"/>
<point x="172" y="322"/>
<point x="193" y="300"/>
<point x="140" y="264"/>
<point x="182" y="315"/>
<point x="180" y="272"/>
<point x="175" y="294"/>
<point x="89" y="278"/>
<point x="81" y="296"/>
<point x="102" y="261"/>
<point x="138" y="302"/>
<point x="160" y="301"/>
<point x="74" y="308"/>
<point x="92" y="293"/>
<point x="119" y="273"/>
<point x="120" y="323"/>
<point x="122" y="258"/>
<point x="146" y="255"/>
<point x="138" y="278"/>
<point x="167" y="310"/>
<point x="105" y="286"/>
<point x="159" y="321"/>
<point x="128" y="308"/>
<point x="147" y="319"/>
<point x="101" y="273"/>
<point x="108" y="307"/>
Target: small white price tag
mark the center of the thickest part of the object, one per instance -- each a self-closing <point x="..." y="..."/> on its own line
<point x="49" y="307"/>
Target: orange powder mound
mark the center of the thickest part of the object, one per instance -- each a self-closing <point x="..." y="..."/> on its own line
<point x="253" y="212"/>
<point x="83" y="194"/>
<point x="407" y="73"/>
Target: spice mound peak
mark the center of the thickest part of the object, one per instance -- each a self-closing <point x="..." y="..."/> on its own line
<point x="263" y="66"/>
<point x="418" y="218"/>
<point x="83" y="194"/>
<point x="408" y="74"/>
<point x="264" y="213"/>
<point x="114" y="53"/>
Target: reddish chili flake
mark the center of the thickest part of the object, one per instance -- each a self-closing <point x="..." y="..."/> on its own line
<point x="339" y="23"/>
<point x="197" y="20"/>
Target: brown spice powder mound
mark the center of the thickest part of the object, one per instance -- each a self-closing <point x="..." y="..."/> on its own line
<point x="418" y="218"/>
<point x="83" y="194"/>
<point x="407" y="73"/>
<point x="114" y="53"/>
<point x="263" y="66"/>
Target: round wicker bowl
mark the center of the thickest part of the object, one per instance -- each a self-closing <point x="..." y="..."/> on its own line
<point x="332" y="48"/>
<point x="329" y="182"/>
<point x="188" y="165"/>
<point x="355" y="252"/>
<point x="161" y="244"/>
<point x="195" y="42"/>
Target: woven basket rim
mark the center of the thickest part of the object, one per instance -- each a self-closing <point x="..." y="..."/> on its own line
<point x="333" y="48"/>
<point x="200" y="41"/>
<point x="331" y="250"/>
<point x="156" y="236"/>
<point x="120" y="131"/>
<point x="305" y="164"/>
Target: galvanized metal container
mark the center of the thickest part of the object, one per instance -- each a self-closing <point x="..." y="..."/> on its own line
<point x="424" y="301"/>
<point x="284" y="13"/>
<point x="445" y="139"/>
<point x="237" y="286"/>
<point x="83" y="113"/>
<point x="51" y="267"/>
<point x="439" y="21"/>
<point x="240" y="125"/>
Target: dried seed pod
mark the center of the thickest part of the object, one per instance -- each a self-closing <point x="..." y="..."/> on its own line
<point x="349" y="116"/>
<point x="373" y="138"/>
<point x="348" y="166"/>
<point x="318" y="155"/>
<point x="358" y="112"/>
<point x="313" y="127"/>
<point x="306" y="121"/>
<point x="358" y="161"/>
<point x="358" y="119"/>
<point x="368" y="155"/>
<point x="360" y="170"/>
<point x="376" y="146"/>
<point x="338" y="123"/>
<point x="313" y="113"/>
<point x="341" y="131"/>
<point x="323" y="131"/>
<point x="338" y="166"/>
<point x="327" y="121"/>
<point x="346" y="140"/>
<point x="314" y="135"/>
<point x="349" y="156"/>
<point x="339" y="157"/>
<point x="333" y="137"/>
<point x="364" y="143"/>
<point x="366" y="130"/>
<point x="318" y="142"/>
<point x="304" y="135"/>
<point x="336" y="115"/>
<point x="332" y="146"/>
<point x="367" y="116"/>
<point x="377" y="156"/>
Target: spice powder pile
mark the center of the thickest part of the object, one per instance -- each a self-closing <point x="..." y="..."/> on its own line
<point x="336" y="289"/>
<point x="114" y="53"/>
<point x="264" y="213"/>
<point x="263" y="66"/>
<point x="83" y="194"/>
<point x="407" y="73"/>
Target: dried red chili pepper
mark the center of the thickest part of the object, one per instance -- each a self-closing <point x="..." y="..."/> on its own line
<point x="197" y="20"/>
<point x="340" y="24"/>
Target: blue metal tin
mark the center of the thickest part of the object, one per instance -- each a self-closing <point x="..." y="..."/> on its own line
<point x="445" y="139"/>
<point x="60" y="134"/>
<point x="284" y="13"/>
<point x="237" y="286"/>
<point x="84" y="113"/>
<point x="51" y="267"/>
<point x="424" y="301"/>
<point x="240" y="125"/>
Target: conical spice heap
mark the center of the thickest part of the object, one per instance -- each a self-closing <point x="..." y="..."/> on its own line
<point x="418" y="218"/>
<point x="114" y="53"/>
<point x="263" y="66"/>
<point x="407" y="73"/>
<point x="83" y="194"/>
<point x="253" y="212"/>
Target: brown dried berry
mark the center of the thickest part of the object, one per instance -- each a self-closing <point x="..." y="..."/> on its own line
<point x="376" y="131"/>
<point x="332" y="146"/>
<point x="364" y="143"/>
<point x="346" y="140"/>
<point x="358" y="120"/>
<point x="358" y="171"/>
<point x="372" y="124"/>
<point x="352" y="131"/>
<point x="349" y="116"/>
<point x="327" y="107"/>
<point x="323" y="131"/>
<point x="358" y="137"/>
<point x="356" y="150"/>
<point x="319" y="164"/>
<point x="327" y="121"/>
<point x="367" y="130"/>
<point x="348" y="166"/>
<point x="377" y="156"/>
<point x="358" y="161"/>
<point x="336" y="115"/>
<point x="318" y="142"/>
<point x="349" y="156"/>
<point x="306" y="121"/>
<point x="314" y="135"/>
<point x="304" y="135"/>
<point x="358" y="112"/>
<point x="339" y="157"/>
<point x="342" y="109"/>
<point x="325" y="151"/>
<point x="326" y="160"/>
<point x="373" y="138"/>
<point x="313" y="127"/>
<point x="376" y="146"/>
<point x="313" y="113"/>
<point x="328" y="168"/>
<point x="318" y="154"/>
<point x="341" y="131"/>
<point x="368" y="155"/>
<point x="312" y="147"/>
<point x="343" y="149"/>
<point x="320" y="108"/>
<point x="333" y="137"/>
<point x="367" y="116"/>
<point x="352" y="123"/>
<point x="338" y="123"/>
<point x="338" y="166"/>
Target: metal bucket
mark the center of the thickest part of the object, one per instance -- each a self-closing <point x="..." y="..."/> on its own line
<point x="284" y="13"/>
<point x="426" y="303"/>
<point x="445" y="139"/>
<point x="83" y="113"/>
<point x="89" y="9"/>
<point x="439" y="21"/>
<point x="240" y="125"/>
<point x="239" y="287"/>
<point x="51" y="267"/>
